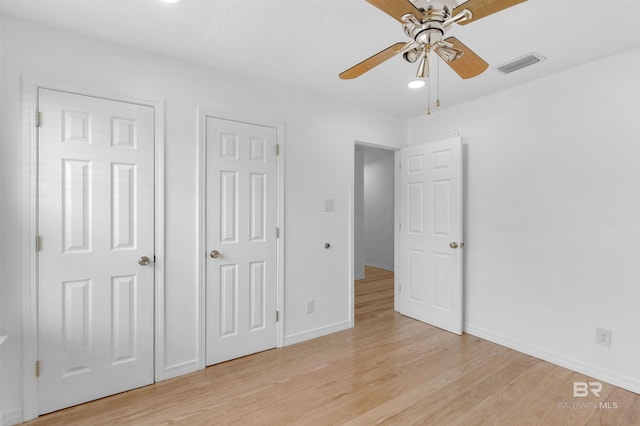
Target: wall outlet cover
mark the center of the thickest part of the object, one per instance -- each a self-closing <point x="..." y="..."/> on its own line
<point x="310" y="306"/>
<point x="603" y="337"/>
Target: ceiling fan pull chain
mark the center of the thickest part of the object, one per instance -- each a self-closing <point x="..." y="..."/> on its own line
<point x="427" y="58"/>
<point x="428" y="96"/>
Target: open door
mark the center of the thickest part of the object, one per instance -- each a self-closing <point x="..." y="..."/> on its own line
<point x="430" y="278"/>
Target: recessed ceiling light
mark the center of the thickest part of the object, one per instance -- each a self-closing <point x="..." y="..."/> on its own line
<point x="170" y="1"/>
<point x="416" y="84"/>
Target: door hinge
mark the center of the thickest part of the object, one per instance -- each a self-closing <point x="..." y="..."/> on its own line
<point x="277" y="232"/>
<point x="37" y="118"/>
<point x="277" y="149"/>
<point x="399" y="288"/>
<point x="400" y="164"/>
<point x="277" y="316"/>
<point x="38" y="368"/>
<point x="38" y="243"/>
<point x="400" y="226"/>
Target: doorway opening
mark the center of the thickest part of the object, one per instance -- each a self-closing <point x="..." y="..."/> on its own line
<point x="427" y="230"/>
<point x="374" y="210"/>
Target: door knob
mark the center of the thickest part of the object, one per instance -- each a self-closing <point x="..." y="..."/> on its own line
<point x="214" y="254"/>
<point x="144" y="260"/>
<point x="453" y="245"/>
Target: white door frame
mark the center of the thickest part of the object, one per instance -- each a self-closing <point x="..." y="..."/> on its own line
<point x="396" y="218"/>
<point x="30" y="88"/>
<point x="203" y="114"/>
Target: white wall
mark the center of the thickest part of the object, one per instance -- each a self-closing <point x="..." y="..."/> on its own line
<point x="358" y="213"/>
<point x="1" y="197"/>
<point x="552" y="229"/>
<point x="319" y="155"/>
<point x="378" y="207"/>
<point x="2" y="326"/>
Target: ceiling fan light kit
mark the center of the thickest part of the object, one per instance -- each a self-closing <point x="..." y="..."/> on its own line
<point x="416" y="83"/>
<point x="426" y="22"/>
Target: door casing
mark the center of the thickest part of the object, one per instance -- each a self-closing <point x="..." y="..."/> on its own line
<point x="203" y="113"/>
<point x="396" y="219"/>
<point x="30" y="87"/>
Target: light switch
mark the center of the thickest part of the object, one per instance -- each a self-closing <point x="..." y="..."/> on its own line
<point x="329" y="205"/>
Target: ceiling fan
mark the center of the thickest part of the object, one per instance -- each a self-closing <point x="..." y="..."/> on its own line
<point x="425" y="22"/>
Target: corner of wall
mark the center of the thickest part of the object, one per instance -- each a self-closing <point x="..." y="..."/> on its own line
<point x="11" y="418"/>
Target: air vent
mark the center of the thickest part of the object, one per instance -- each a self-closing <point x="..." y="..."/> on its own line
<point x="522" y="62"/>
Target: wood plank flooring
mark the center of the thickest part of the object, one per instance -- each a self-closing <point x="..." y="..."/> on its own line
<point x="389" y="369"/>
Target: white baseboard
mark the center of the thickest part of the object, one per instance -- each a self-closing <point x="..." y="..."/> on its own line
<point x="176" y="370"/>
<point x="317" y="332"/>
<point x="11" y="418"/>
<point x="380" y="266"/>
<point x="557" y="359"/>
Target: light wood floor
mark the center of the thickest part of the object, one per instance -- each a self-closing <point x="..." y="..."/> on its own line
<point x="388" y="369"/>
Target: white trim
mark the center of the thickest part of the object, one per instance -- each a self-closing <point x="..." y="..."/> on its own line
<point x="203" y="113"/>
<point x="202" y="250"/>
<point x="317" y="332"/>
<point x="280" y="242"/>
<point x="558" y="359"/>
<point x="159" y="241"/>
<point x="396" y="231"/>
<point x="30" y="88"/>
<point x="351" y="244"/>
<point x="379" y="266"/>
<point x="181" y="368"/>
<point x="29" y="310"/>
<point x="11" y="418"/>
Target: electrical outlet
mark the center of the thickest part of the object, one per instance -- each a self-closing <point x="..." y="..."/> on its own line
<point x="603" y="337"/>
<point x="310" y="306"/>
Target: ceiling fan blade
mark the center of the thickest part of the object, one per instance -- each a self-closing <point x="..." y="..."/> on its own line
<point x="397" y="8"/>
<point x="469" y="64"/>
<point x="375" y="60"/>
<point x="481" y="8"/>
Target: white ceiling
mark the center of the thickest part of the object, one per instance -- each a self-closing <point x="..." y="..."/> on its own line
<point x="305" y="44"/>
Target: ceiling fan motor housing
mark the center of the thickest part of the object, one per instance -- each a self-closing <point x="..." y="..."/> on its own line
<point x="427" y="31"/>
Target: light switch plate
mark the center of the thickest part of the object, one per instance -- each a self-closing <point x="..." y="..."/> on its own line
<point x="329" y="205"/>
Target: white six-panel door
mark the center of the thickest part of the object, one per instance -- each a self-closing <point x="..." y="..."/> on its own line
<point x="240" y="239"/>
<point x="95" y="222"/>
<point x="431" y="234"/>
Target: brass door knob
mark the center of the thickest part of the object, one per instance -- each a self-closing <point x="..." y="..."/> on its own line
<point x="453" y="245"/>
<point x="214" y="254"/>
